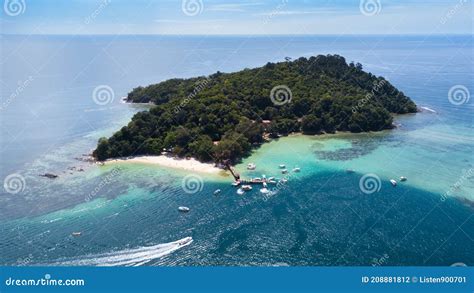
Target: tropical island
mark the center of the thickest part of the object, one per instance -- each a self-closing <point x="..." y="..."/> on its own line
<point x="221" y="117"/>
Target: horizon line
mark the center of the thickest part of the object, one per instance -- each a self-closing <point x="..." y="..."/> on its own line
<point x="245" y="35"/>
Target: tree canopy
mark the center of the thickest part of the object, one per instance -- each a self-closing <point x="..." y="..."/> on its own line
<point x="222" y="116"/>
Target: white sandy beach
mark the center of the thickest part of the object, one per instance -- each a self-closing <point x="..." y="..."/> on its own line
<point x="170" y="162"/>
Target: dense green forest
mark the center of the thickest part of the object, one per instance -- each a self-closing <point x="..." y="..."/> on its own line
<point x="222" y="116"/>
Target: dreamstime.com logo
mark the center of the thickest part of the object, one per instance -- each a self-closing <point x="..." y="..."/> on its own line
<point x="370" y="183"/>
<point x="375" y="89"/>
<point x="103" y="95"/>
<point x="22" y="85"/>
<point x="14" y="7"/>
<point x="108" y="179"/>
<point x="14" y="183"/>
<point x="192" y="7"/>
<point x="370" y="7"/>
<point x="192" y="183"/>
<point x="45" y="281"/>
<point x="281" y="95"/>
<point x="97" y="11"/>
<point x="198" y="88"/>
<point x="459" y="95"/>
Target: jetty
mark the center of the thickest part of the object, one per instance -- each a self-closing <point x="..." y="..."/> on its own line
<point x="240" y="181"/>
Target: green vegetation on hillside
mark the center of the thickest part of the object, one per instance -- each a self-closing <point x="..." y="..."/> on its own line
<point x="222" y="116"/>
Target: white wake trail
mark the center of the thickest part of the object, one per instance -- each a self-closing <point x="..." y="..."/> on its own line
<point x="127" y="257"/>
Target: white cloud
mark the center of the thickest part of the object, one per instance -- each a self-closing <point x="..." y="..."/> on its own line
<point x="232" y="7"/>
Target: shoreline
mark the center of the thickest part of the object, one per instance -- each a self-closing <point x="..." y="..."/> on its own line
<point x="170" y="162"/>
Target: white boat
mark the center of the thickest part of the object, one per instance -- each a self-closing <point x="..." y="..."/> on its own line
<point x="76" y="234"/>
<point x="271" y="178"/>
<point x="282" y="166"/>
<point x="240" y="191"/>
<point x="235" y="183"/>
<point x="394" y="183"/>
<point x="264" y="184"/>
<point x="246" y="187"/>
<point x="185" y="241"/>
<point x="284" y="180"/>
<point x="264" y="190"/>
<point x="217" y="191"/>
<point x="251" y="166"/>
<point x="183" y="209"/>
<point x="403" y="178"/>
<point x="284" y="171"/>
<point x="296" y="169"/>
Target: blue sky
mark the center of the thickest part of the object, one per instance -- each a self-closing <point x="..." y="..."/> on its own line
<point x="237" y="17"/>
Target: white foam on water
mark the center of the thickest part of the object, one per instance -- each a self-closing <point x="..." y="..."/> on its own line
<point x="127" y="257"/>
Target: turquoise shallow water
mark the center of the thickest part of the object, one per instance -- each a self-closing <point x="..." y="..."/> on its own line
<point x="320" y="217"/>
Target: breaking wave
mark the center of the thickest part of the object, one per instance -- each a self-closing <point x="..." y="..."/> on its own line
<point x="127" y="257"/>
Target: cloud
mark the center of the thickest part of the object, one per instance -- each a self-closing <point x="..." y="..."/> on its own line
<point x="232" y="7"/>
<point x="298" y="12"/>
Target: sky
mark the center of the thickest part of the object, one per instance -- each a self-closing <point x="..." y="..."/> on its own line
<point x="203" y="17"/>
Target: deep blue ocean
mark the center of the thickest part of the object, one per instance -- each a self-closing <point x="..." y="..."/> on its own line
<point x="127" y="215"/>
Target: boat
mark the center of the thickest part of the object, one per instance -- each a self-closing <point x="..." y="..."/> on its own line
<point x="284" y="180"/>
<point x="271" y="178"/>
<point x="284" y="171"/>
<point x="246" y="187"/>
<point x="350" y="171"/>
<point x="403" y="178"/>
<point x="217" y="191"/>
<point x="282" y="166"/>
<point x="76" y="234"/>
<point x="236" y="183"/>
<point x="240" y="191"/>
<point x="183" y="209"/>
<point x="264" y="190"/>
<point x="394" y="183"/>
<point x="264" y="184"/>
<point x="185" y="241"/>
<point x="251" y="166"/>
<point x="296" y="169"/>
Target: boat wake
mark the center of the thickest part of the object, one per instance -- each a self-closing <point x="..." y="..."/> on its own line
<point x="127" y="257"/>
<point x="426" y="109"/>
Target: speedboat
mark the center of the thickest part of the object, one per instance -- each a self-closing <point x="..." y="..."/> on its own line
<point x="76" y="234"/>
<point x="251" y="166"/>
<point x="183" y="209"/>
<point x="240" y="191"/>
<point x="185" y="241"/>
<point x="296" y="169"/>
<point x="217" y="191"/>
<point x="403" y="178"/>
<point x="394" y="183"/>
<point x="282" y="166"/>
<point x="284" y="171"/>
<point x="246" y="187"/>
